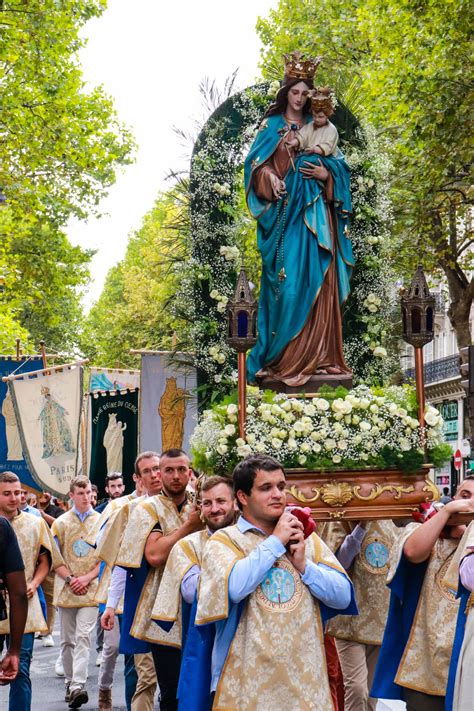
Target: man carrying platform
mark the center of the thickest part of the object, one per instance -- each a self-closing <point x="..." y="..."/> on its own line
<point x="179" y="586"/>
<point x="414" y="659"/>
<point x="117" y="585"/>
<point x="154" y="526"/>
<point x="270" y="592"/>
<point x="364" y="551"/>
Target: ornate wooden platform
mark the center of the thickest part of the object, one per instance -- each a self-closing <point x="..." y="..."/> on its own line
<point x="365" y="493"/>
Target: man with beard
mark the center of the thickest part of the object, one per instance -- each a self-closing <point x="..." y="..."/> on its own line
<point x="114" y="488"/>
<point x="269" y="591"/>
<point x="153" y="528"/>
<point x="180" y="581"/>
<point x="117" y="585"/>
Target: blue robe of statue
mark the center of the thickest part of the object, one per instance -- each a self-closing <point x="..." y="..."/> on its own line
<point x="298" y="239"/>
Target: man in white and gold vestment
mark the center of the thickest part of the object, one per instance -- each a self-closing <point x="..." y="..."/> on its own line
<point x="364" y="551"/>
<point x="39" y="555"/>
<point x="75" y="588"/>
<point x="154" y="526"/>
<point x="416" y="650"/>
<point x="269" y="591"/>
<point x="179" y="585"/>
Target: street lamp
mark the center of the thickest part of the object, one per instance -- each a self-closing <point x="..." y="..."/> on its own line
<point x="418" y="329"/>
<point x="242" y="335"/>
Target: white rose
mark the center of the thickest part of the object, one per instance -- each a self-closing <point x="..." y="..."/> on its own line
<point x="380" y="352"/>
<point x="221" y="358"/>
<point x="292" y="443"/>
<point x="260" y="447"/>
<point x="239" y="442"/>
<point x="286" y="405"/>
<point x="309" y="410"/>
<point x="276" y="443"/>
<point x="322" y="404"/>
<point x="330" y="443"/>
<point x="404" y="443"/>
<point x="229" y="430"/>
<point x="214" y="294"/>
<point x="355" y="419"/>
<point x="357" y="439"/>
<point x="217" y="378"/>
<point x="305" y="447"/>
<point x="342" y="444"/>
<point x="431" y="418"/>
<point x="374" y="408"/>
<point x="244" y="451"/>
<point x="302" y="459"/>
<point x="221" y="307"/>
<point x="232" y="409"/>
<point x="365" y="426"/>
<point x="316" y="448"/>
<point x="337" y="458"/>
<point x="251" y="438"/>
<point x="222" y="449"/>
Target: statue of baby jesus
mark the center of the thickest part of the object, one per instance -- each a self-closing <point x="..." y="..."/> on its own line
<point x="319" y="136"/>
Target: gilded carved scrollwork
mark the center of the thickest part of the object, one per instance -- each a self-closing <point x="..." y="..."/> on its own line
<point x="339" y="493"/>
<point x="379" y="489"/>
<point x="430" y="488"/>
<point x="299" y="496"/>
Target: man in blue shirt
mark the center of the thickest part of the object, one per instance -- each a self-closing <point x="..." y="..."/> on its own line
<point x="269" y="591"/>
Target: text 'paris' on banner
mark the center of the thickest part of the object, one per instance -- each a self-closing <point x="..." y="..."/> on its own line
<point x="48" y="408"/>
<point x="112" y="435"/>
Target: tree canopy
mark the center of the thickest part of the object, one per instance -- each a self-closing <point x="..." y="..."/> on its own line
<point x="60" y="147"/>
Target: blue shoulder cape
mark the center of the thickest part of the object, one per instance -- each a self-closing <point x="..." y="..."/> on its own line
<point x="405" y="592"/>
<point x="464" y="595"/>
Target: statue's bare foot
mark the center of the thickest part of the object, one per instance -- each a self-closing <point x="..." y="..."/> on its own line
<point x="333" y="370"/>
<point x="321" y="371"/>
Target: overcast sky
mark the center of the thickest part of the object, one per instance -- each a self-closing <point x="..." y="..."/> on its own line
<point x="151" y="55"/>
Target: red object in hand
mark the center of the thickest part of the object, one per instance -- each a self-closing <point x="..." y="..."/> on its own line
<point x="303" y="515"/>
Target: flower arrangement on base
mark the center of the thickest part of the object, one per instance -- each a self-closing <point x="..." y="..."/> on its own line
<point x="337" y="429"/>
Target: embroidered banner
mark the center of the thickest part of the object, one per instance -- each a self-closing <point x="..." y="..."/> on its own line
<point x="112" y="435"/>
<point x="48" y="411"/>
<point x="168" y="402"/>
<point x="11" y="454"/>
<point x="113" y="379"/>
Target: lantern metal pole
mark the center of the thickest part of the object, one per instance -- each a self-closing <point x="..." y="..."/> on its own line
<point x="242" y="391"/>
<point x="420" y="388"/>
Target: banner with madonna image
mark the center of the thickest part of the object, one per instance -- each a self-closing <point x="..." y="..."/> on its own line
<point x="113" y="379"/>
<point x="11" y="452"/>
<point x="112" y="435"/>
<point x="168" y="401"/>
<point x="48" y="406"/>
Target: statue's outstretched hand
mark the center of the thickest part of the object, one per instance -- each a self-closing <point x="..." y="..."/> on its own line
<point x="310" y="170"/>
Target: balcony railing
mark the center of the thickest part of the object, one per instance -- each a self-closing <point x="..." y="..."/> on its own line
<point x="436" y="370"/>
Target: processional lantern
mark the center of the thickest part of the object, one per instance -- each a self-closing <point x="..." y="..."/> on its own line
<point x="242" y="335"/>
<point x="418" y="307"/>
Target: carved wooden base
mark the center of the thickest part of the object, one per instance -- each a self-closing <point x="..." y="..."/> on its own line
<point x="361" y="494"/>
<point x="309" y="388"/>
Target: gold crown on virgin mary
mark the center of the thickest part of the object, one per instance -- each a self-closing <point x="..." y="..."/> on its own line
<point x="297" y="66"/>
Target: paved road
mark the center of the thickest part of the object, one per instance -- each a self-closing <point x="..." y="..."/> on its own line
<point x="48" y="689"/>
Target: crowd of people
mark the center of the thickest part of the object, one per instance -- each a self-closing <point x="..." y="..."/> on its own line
<point x="221" y="596"/>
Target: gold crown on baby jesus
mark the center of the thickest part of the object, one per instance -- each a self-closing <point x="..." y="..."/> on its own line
<point x="322" y="99"/>
<point x="297" y="66"/>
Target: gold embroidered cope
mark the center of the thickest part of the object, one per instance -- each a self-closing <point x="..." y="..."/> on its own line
<point x="368" y="574"/>
<point x="78" y="555"/>
<point x="157" y="509"/>
<point x="184" y="554"/>
<point x="32" y="534"/>
<point x="280" y="631"/>
<point x="425" y="663"/>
